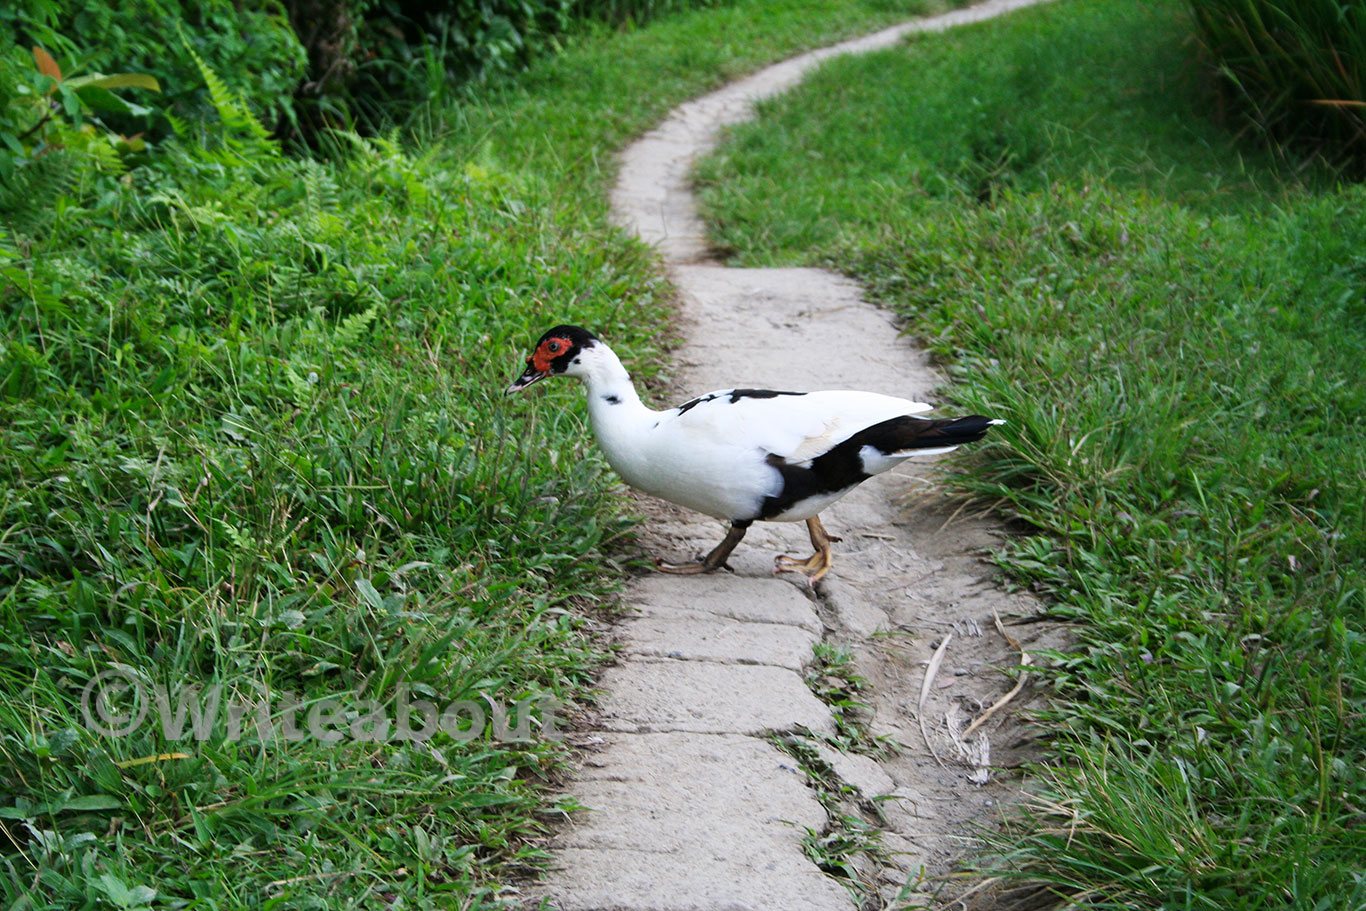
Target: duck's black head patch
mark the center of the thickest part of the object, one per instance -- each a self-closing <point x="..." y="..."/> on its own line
<point x="558" y="347"/>
<point x="553" y="354"/>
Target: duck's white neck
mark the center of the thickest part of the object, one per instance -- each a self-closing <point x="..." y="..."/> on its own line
<point x="612" y="397"/>
<point x="621" y="422"/>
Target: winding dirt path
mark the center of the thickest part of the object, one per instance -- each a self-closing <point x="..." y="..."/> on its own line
<point x="691" y="806"/>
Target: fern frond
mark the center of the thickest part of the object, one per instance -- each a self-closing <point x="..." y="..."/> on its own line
<point x="179" y="126"/>
<point x="232" y="109"/>
<point x="105" y="157"/>
<point x="350" y="329"/>
<point x="301" y="390"/>
<point x="321" y="195"/>
<point x="357" y="141"/>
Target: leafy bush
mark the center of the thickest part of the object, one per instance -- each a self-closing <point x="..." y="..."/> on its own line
<point x="1294" y="69"/>
<point x="306" y="65"/>
<point x="249" y="43"/>
<point x="412" y="50"/>
<point x="51" y="132"/>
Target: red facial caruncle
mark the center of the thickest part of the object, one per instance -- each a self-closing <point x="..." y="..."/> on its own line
<point x="548" y="350"/>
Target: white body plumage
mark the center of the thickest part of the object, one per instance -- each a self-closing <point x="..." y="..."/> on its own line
<point x="713" y="454"/>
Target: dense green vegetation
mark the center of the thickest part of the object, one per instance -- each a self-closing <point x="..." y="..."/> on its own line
<point x="303" y="65"/>
<point x="249" y="46"/>
<point x="1174" y="327"/>
<point x="254" y="437"/>
<point x="1293" y="71"/>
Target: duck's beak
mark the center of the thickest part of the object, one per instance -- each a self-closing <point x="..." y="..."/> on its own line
<point x="529" y="375"/>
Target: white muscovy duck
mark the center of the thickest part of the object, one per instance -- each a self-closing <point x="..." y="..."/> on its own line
<point x="745" y="455"/>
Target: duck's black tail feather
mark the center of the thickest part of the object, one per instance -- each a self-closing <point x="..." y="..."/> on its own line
<point x="903" y="434"/>
<point x="927" y="433"/>
<point x="848" y="463"/>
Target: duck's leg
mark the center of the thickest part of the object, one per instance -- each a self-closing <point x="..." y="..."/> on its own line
<point x="712" y="561"/>
<point x="816" y="565"/>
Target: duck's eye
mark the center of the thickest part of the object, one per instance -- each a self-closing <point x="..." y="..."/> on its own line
<point x="552" y="347"/>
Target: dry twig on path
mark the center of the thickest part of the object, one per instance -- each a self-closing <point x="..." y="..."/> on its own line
<point x="1019" y="684"/>
<point x="931" y="671"/>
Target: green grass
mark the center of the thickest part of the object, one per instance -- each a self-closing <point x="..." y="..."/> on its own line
<point x="834" y="680"/>
<point x="268" y="451"/>
<point x="561" y="123"/>
<point x="849" y="847"/>
<point x="1172" y="325"/>
<point x="1292" y="73"/>
<point x="254" y="437"/>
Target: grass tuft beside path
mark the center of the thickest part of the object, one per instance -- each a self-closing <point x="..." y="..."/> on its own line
<point x="1174" y="329"/>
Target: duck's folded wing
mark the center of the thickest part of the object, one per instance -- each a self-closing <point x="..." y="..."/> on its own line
<point x="795" y="426"/>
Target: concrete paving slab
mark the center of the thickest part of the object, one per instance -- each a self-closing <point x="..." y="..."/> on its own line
<point x="629" y="881"/>
<point x="664" y="791"/>
<point x="752" y="600"/>
<point x="700" y="696"/>
<point x="861" y="772"/>
<point x="704" y="637"/>
<point x="650" y="839"/>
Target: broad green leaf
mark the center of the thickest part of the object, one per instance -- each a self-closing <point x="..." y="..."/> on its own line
<point x="368" y="592"/>
<point x="100" y="99"/>
<point x="71" y="103"/>
<point x="117" y="81"/>
<point x="93" y="802"/>
<point x="142" y="896"/>
<point x="116" y="890"/>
